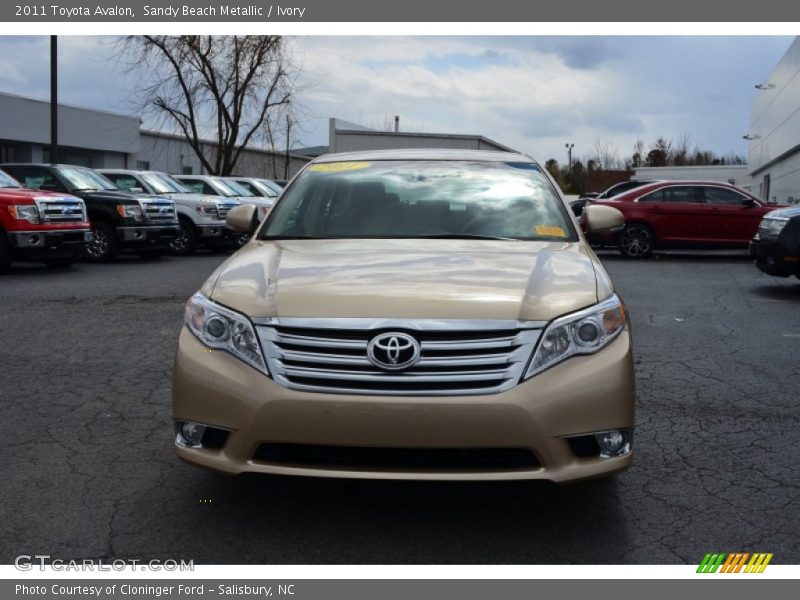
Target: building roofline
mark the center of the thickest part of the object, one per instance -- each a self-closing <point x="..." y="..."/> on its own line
<point x="446" y="136"/>
<point x="75" y="106"/>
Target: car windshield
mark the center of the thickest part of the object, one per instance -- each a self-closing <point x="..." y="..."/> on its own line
<point x="162" y="183"/>
<point x="271" y="185"/>
<point x="6" y="181"/>
<point x="81" y="178"/>
<point x="238" y="190"/>
<point x="418" y="199"/>
<point x="265" y="189"/>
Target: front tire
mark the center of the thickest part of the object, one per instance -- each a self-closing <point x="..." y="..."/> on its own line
<point x="104" y="245"/>
<point x="186" y="242"/>
<point x="636" y="241"/>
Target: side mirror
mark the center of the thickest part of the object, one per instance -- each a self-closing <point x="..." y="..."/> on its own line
<point x="602" y="218"/>
<point x="749" y="203"/>
<point x="243" y="218"/>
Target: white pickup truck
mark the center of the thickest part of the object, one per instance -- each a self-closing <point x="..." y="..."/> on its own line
<point x="201" y="216"/>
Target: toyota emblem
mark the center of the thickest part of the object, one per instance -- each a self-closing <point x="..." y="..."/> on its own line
<point x="393" y="351"/>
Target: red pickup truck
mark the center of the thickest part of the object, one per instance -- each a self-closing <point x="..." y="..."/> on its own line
<point x="40" y="226"/>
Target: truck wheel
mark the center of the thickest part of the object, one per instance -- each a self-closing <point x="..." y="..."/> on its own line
<point x="60" y="263"/>
<point x="636" y="241"/>
<point x="104" y="245"/>
<point x="186" y="242"/>
<point x="5" y="253"/>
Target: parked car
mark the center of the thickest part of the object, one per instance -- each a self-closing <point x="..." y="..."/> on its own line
<point x="40" y="226"/>
<point x="119" y="221"/>
<point x="226" y="188"/>
<point x="419" y="314"/>
<point x="578" y="204"/>
<point x="201" y="217"/>
<point x="258" y="187"/>
<point x="684" y="214"/>
<point x="776" y="245"/>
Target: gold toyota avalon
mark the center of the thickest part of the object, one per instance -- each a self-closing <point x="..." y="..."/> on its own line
<point x="417" y="314"/>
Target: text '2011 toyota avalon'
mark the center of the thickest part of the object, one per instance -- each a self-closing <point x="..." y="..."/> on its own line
<point x="410" y="315"/>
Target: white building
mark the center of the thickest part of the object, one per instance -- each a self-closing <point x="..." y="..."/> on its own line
<point x="774" y="153"/>
<point x="733" y="174"/>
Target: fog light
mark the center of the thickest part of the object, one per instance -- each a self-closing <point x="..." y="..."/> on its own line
<point x="190" y="434"/>
<point x="33" y="240"/>
<point x="613" y="443"/>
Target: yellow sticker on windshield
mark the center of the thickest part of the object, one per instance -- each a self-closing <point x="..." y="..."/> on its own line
<point x="336" y="167"/>
<point x="550" y="231"/>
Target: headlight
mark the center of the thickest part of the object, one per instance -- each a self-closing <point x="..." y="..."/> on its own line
<point x="583" y="332"/>
<point x="223" y="329"/>
<point x="208" y="210"/>
<point x="27" y="212"/>
<point x="771" y="227"/>
<point x="129" y="211"/>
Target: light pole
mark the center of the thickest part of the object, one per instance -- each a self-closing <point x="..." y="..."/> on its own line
<point x="569" y="148"/>
<point x="53" y="99"/>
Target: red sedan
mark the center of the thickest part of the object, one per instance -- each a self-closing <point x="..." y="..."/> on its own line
<point x="685" y="214"/>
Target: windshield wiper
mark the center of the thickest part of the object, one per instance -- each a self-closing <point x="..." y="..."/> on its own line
<point x="88" y="190"/>
<point x="464" y="236"/>
<point x="269" y="238"/>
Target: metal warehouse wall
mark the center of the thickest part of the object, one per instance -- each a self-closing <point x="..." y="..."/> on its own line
<point x="775" y="123"/>
<point x="171" y="154"/>
<point x="28" y="120"/>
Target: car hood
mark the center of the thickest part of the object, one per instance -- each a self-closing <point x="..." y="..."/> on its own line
<point x="788" y="212"/>
<point x="109" y="195"/>
<point x="26" y="194"/>
<point x="435" y="279"/>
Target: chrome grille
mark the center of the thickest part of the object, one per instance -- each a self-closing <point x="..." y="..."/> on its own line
<point x="223" y="208"/>
<point x="159" y="210"/>
<point x="62" y="210"/>
<point x="456" y="357"/>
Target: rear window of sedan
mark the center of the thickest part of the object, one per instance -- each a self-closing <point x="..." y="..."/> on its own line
<point x="416" y="199"/>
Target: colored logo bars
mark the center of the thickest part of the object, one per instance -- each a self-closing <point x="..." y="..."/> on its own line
<point x="735" y="562"/>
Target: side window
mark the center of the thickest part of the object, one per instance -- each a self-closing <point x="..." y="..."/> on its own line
<point x="196" y="187"/>
<point x="681" y="194"/>
<point x="249" y="187"/>
<point x="657" y="196"/>
<point x="207" y="189"/>
<point x="40" y="179"/>
<point x="715" y="195"/>
<point x="124" y="182"/>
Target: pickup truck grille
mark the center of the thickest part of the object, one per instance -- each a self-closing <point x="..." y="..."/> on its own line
<point x="484" y="357"/>
<point x="223" y="208"/>
<point x="65" y="210"/>
<point x="158" y="211"/>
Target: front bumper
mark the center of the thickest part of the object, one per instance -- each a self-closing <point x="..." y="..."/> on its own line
<point x="147" y="236"/>
<point x="772" y="258"/>
<point x="585" y="394"/>
<point x="217" y="234"/>
<point x="37" y="244"/>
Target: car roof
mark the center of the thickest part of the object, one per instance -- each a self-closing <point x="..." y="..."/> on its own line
<point x="426" y="154"/>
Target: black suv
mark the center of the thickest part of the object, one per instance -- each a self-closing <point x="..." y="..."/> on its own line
<point x="120" y="221"/>
<point x="776" y="246"/>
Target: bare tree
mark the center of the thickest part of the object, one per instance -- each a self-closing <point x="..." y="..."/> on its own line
<point x="222" y="87"/>
<point x="605" y="155"/>
<point x="383" y="123"/>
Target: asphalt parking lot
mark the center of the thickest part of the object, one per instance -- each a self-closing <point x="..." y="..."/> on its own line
<point x="88" y="469"/>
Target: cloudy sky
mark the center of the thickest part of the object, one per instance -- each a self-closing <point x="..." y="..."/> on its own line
<point x="533" y="94"/>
